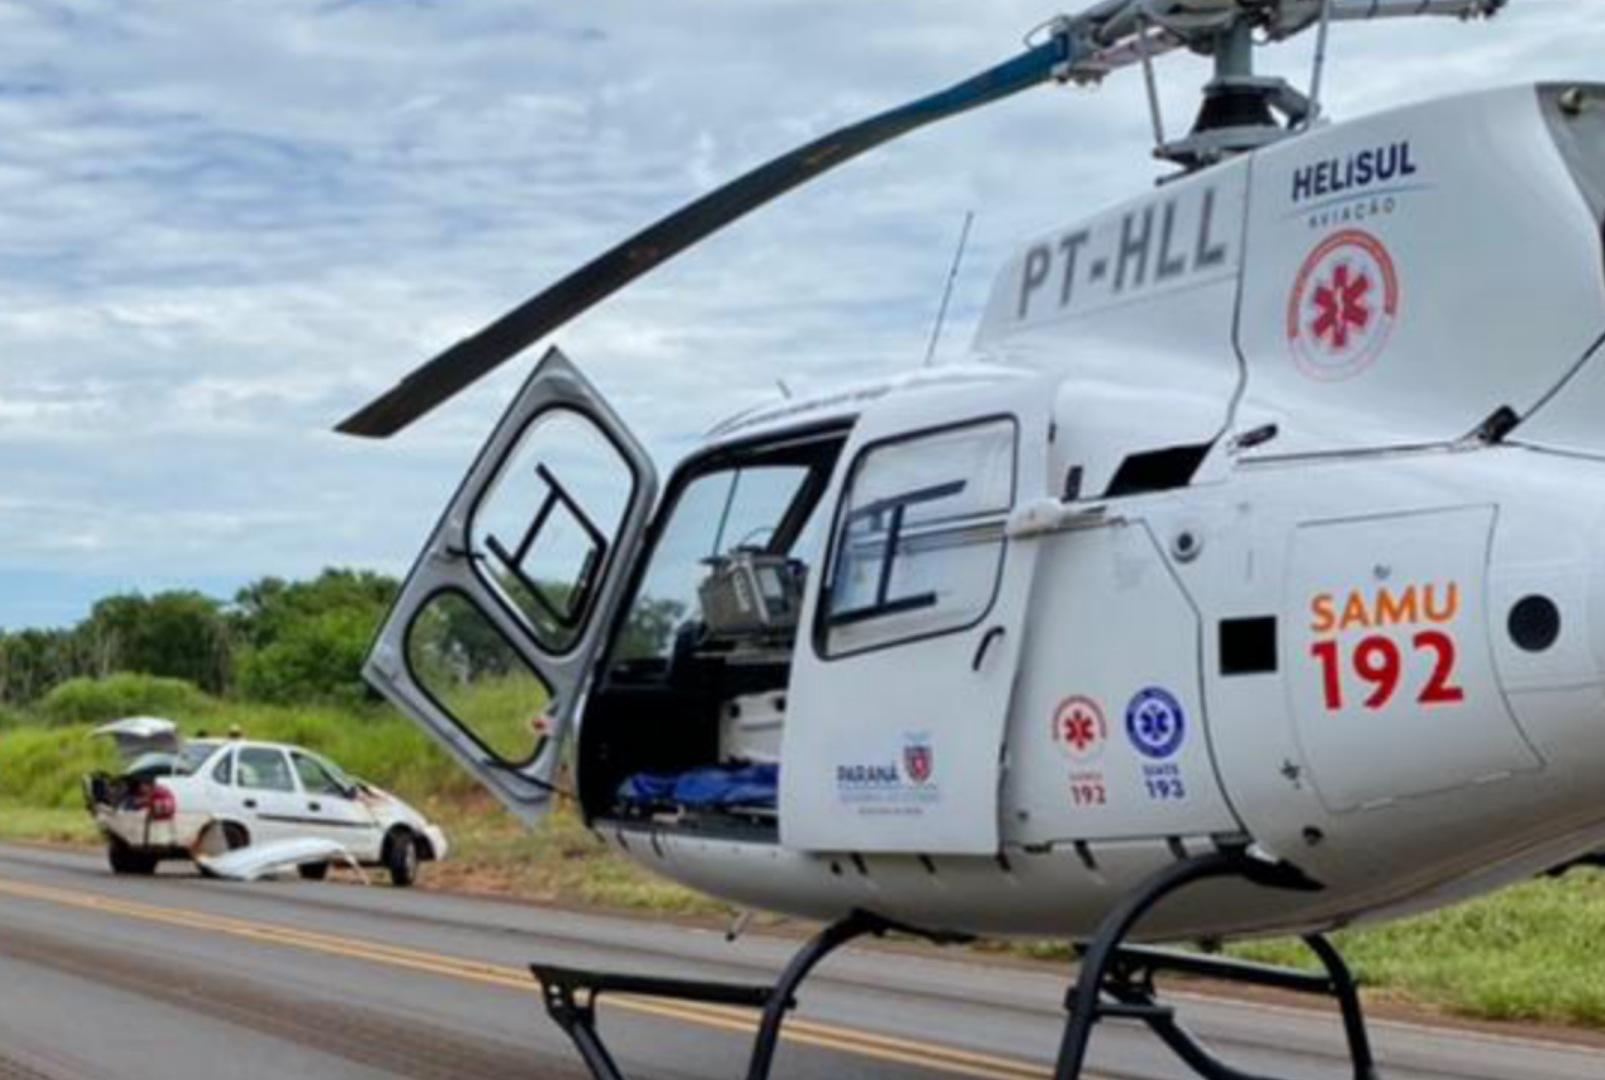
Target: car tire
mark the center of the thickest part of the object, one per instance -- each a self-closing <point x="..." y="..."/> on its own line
<point x="234" y="837"/>
<point x="126" y="860"/>
<point x="313" y="871"/>
<point x="401" y="857"/>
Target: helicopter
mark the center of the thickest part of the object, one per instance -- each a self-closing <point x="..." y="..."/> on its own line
<point x="1241" y="583"/>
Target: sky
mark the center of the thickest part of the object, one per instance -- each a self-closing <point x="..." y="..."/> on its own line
<point x="225" y="225"/>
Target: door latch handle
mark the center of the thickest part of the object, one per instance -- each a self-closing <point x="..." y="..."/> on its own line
<point x="250" y="804"/>
<point x="986" y="643"/>
<point x="314" y="806"/>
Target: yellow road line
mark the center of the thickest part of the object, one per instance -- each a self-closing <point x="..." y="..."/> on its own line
<point x="728" y="1018"/>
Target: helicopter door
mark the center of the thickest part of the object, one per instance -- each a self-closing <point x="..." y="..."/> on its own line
<point x="488" y="646"/>
<point x="897" y="704"/>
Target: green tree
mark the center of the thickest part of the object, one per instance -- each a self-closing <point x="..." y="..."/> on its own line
<point x="306" y="640"/>
<point x="179" y="635"/>
<point x="266" y="609"/>
<point x="313" y="659"/>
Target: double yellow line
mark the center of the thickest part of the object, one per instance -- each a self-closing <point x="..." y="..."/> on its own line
<point x="797" y="1030"/>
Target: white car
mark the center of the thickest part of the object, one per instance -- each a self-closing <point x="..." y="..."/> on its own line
<point x="201" y="798"/>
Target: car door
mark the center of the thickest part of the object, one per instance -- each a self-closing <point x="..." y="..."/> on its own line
<point x="492" y="639"/>
<point x="266" y="795"/>
<point x="332" y="810"/>
<point x="898" y="702"/>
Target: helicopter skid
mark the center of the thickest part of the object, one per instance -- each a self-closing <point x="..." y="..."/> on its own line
<point x="1109" y="968"/>
<point x="571" y="994"/>
<point x="1115" y="980"/>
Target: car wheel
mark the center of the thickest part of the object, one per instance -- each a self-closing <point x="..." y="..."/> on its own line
<point x="232" y="836"/>
<point x="401" y="857"/>
<point x="313" y="871"/>
<point x="126" y="860"/>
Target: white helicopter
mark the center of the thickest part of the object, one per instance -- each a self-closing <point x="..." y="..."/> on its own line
<point x="1252" y="567"/>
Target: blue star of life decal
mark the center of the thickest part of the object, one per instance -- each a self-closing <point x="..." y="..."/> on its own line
<point x="1155" y="722"/>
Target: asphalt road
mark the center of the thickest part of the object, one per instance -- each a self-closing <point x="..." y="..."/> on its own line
<point x="177" y="977"/>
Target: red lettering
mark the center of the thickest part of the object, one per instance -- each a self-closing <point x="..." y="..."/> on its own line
<point x="1376" y="660"/>
<point x="1438" y="690"/>
<point x="1331" y="678"/>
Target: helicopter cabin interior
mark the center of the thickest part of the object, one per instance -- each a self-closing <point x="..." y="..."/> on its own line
<point x="683" y="725"/>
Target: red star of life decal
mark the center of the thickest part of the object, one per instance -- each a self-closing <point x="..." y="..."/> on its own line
<point x="1079" y="727"/>
<point x="1342" y="307"/>
<point x="1080" y="730"/>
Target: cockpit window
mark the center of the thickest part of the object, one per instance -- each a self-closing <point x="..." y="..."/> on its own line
<point x="728" y="567"/>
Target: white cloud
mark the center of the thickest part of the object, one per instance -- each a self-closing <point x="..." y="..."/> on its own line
<point x="225" y="226"/>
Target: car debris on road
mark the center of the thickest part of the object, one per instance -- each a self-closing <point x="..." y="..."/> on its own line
<point x="265" y="860"/>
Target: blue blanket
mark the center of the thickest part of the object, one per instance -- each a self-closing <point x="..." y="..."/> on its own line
<point x="705" y="789"/>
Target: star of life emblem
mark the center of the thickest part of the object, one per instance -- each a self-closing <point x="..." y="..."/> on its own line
<point x="1079" y="729"/>
<point x="1344" y="305"/>
<point x="1156" y="723"/>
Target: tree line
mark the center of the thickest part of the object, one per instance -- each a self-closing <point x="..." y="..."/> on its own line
<point x="276" y="640"/>
<point x="288" y="642"/>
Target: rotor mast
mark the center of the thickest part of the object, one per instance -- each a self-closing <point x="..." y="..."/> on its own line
<point x="1240" y="109"/>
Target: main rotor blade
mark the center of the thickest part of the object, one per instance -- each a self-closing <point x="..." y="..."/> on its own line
<point x="474" y="357"/>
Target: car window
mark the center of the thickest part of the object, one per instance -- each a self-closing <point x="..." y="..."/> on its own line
<point x="314" y="777"/>
<point x="194" y="755"/>
<point x="262" y="768"/>
<point x="221" y="771"/>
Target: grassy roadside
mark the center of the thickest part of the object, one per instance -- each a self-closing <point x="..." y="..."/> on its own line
<point x="46" y="824"/>
<point x="1535" y="952"/>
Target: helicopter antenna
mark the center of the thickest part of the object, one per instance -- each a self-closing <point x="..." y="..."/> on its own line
<point x="947" y="292"/>
<point x="1146" y="49"/>
<point x="1320" y="63"/>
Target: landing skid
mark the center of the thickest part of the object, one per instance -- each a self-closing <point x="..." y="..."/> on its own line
<point x="1115" y="980"/>
<point x="1126" y="973"/>
<point x="571" y="994"/>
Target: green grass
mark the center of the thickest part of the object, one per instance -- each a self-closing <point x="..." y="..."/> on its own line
<point x="40" y="766"/>
<point x="1535" y="951"/>
<point x="501" y="714"/>
<point x="50" y="824"/>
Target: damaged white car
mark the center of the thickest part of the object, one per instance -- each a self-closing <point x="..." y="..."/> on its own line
<point x="200" y="799"/>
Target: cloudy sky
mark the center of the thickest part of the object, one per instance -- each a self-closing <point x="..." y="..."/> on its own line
<point x="224" y="225"/>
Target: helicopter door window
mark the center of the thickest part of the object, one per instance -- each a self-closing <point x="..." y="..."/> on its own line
<point x="543" y="530"/>
<point x="919" y="544"/>
<point x="474" y="676"/>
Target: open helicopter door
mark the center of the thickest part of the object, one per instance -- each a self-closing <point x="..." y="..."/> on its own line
<point x="489" y="645"/>
<point x="897" y="704"/>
